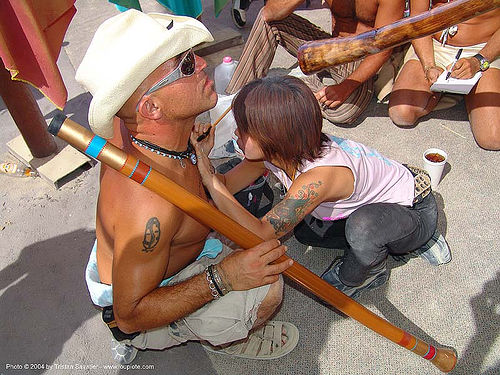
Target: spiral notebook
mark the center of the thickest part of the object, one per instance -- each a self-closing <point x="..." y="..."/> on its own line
<point x="454" y="85"/>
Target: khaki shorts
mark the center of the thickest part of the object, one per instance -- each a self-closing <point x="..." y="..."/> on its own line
<point x="444" y="56"/>
<point x="221" y="321"/>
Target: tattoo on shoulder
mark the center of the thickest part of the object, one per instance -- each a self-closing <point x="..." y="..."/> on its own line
<point x="151" y="235"/>
<point x="288" y="213"/>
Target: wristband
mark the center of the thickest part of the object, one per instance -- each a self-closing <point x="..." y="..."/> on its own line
<point x="214" y="280"/>
<point x="484" y="64"/>
<point x="219" y="281"/>
<point x="427" y="68"/>
<point x="213" y="288"/>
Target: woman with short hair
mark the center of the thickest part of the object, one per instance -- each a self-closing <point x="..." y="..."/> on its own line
<point x="340" y="193"/>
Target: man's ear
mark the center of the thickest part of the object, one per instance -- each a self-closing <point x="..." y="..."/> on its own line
<point x="149" y="109"/>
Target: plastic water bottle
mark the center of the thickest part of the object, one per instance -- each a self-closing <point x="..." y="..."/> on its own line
<point x="223" y="74"/>
<point x="14" y="170"/>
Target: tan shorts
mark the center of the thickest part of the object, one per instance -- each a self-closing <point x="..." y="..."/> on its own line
<point x="444" y="56"/>
<point x="221" y="321"/>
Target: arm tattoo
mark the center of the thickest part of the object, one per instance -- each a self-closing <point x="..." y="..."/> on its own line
<point x="288" y="213"/>
<point x="151" y="235"/>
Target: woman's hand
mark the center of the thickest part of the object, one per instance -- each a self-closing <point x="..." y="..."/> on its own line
<point x="202" y="149"/>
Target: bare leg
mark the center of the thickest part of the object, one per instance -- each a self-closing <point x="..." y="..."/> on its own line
<point x="270" y="303"/>
<point x="277" y="10"/>
<point x="411" y="97"/>
<point x="483" y="106"/>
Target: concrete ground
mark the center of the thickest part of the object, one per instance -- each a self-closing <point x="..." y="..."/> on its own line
<point x="49" y="326"/>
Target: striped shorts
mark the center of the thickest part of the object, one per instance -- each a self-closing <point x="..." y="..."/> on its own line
<point x="290" y="33"/>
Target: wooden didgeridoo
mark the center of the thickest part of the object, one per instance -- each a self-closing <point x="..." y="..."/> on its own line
<point x="98" y="148"/>
<point x="320" y="54"/>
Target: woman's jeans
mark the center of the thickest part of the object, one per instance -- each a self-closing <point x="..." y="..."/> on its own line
<point x="370" y="234"/>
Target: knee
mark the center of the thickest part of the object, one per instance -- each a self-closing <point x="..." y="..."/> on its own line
<point x="274" y="295"/>
<point x="264" y="14"/>
<point x="271" y="302"/>
<point x="361" y="228"/>
<point x="489" y="140"/>
<point x="403" y="115"/>
<point x="489" y="144"/>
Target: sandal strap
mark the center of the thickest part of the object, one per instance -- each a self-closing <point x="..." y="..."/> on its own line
<point x="277" y="333"/>
<point x="261" y="342"/>
<point x="258" y="346"/>
<point x="264" y="343"/>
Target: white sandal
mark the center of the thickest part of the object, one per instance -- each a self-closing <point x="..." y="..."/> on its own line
<point x="264" y="343"/>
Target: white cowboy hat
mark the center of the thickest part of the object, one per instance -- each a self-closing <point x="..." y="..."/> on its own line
<point x="126" y="49"/>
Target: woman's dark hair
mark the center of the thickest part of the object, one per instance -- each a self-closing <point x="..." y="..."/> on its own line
<point x="282" y="114"/>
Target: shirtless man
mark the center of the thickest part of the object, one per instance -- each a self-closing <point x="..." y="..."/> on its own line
<point x="479" y="37"/>
<point x="352" y="88"/>
<point x="147" y="269"/>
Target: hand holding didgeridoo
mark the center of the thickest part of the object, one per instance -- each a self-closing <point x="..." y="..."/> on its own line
<point x="318" y="55"/>
<point x="97" y="147"/>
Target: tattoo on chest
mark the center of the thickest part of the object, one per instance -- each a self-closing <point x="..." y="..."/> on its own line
<point x="151" y="235"/>
<point x="288" y="213"/>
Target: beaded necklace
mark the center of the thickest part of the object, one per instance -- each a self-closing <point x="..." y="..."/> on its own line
<point x="187" y="154"/>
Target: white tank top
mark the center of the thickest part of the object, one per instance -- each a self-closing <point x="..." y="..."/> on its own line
<point x="377" y="179"/>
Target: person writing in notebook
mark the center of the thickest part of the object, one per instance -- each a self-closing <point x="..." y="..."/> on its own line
<point x="479" y="40"/>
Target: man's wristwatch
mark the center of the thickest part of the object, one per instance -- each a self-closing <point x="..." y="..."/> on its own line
<point x="483" y="62"/>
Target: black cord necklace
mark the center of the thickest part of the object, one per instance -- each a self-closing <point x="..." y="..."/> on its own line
<point x="188" y="153"/>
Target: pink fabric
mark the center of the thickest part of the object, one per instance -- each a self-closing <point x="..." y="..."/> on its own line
<point x="377" y="178"/>
<point x="31" y="34"/>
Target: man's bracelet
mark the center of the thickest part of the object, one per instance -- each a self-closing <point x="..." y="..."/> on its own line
<point x="214" y="279"/>
<point x="216" y="294"/>
<point x="429" y="67"/>
<point x="219" y="281"/>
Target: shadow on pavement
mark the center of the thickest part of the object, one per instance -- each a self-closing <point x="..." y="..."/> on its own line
<point x="45" y="299"/>
<point x="186" y="359"/>
<point x="486" y="310"/>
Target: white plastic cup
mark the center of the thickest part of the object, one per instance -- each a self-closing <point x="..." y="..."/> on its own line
<point x="223" y="74"/>
<point x="434" y="168"/>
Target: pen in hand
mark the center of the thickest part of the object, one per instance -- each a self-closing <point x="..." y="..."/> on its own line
<point x="207" y="132"/>
<point x="454" y="62"/>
